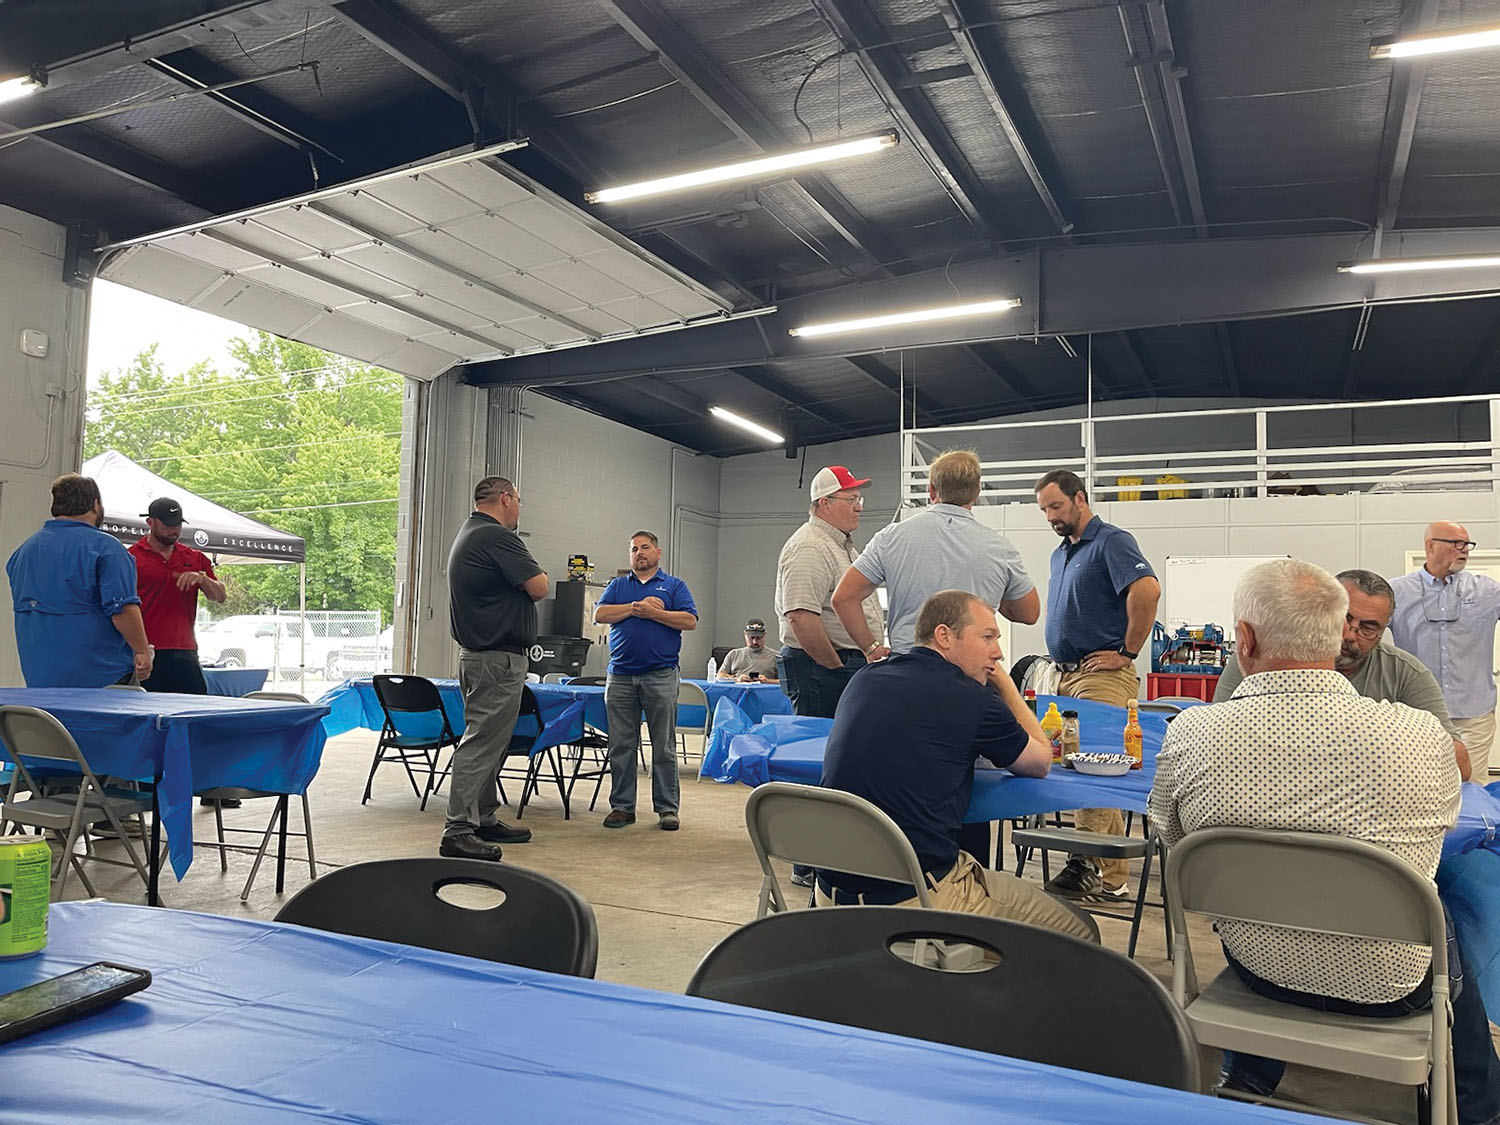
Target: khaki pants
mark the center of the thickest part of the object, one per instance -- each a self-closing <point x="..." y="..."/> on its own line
<point x="970" y="889"/>
<point x="1477" y="734"/>
<point x="1116" y="687"/>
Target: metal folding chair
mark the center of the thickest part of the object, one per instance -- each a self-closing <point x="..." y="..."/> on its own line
<point x="409" y="696"/>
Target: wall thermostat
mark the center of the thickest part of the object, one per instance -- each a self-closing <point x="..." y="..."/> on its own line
<point x="34" y="343"/>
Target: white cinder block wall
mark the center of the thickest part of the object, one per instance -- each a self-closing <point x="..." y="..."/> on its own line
<point x="41" y="399"/>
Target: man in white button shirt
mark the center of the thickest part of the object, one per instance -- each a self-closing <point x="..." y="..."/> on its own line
<point x="1295" y="748"/>
<point x="1446" y="617"/>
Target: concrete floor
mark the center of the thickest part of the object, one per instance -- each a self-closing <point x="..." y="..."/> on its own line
<point x="662" y="899"/>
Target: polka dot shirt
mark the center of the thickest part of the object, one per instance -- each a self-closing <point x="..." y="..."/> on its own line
<point x="1301" y="750"/>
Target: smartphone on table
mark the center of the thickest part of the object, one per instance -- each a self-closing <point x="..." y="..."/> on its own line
<point x="67" y="997"/>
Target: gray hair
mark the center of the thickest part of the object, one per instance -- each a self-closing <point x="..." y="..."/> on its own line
<point x="1368" y="583"/>
<point x="1296" y="609"/>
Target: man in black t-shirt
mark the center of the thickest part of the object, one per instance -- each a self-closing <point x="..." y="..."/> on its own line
<point x="905" y="737"/>
<point x="493" y="587"/>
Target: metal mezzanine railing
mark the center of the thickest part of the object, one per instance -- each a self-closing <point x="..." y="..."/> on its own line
<point x="1386" y="446"/>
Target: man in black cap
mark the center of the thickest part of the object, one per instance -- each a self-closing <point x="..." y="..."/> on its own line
<point x="169" y="575"/>
<point x="755" y="662"/>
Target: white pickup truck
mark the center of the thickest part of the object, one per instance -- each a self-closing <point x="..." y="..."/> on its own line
<point x="262" y="641"/>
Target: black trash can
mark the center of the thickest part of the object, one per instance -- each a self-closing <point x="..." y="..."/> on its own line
<point x="559" y="654"/>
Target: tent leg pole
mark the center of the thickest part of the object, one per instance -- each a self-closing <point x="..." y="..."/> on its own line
<point x="302" y="612"/>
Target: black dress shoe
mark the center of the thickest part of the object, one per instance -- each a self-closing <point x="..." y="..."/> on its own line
<point x="468" y="846"/>
<point x="502" y="833"/>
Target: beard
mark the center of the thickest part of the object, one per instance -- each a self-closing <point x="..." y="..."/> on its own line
<point x="1348" y="657"/>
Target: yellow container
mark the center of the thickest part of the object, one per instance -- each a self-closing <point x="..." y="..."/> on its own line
<point x="25" y="891"/>
<point x="1126" y="492"/>
<point x="1172" y="493"/>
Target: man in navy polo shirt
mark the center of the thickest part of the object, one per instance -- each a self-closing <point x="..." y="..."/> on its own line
<point x="1101" y="604"/>
<point x="647" y="611"/>
<point x="906" y="735"/>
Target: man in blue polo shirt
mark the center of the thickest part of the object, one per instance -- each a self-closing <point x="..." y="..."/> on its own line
<point x="1101" y="604"/>
<point x="647" y="611"/>
<point x="906" y="736"/>
<point x="77" y="615"/>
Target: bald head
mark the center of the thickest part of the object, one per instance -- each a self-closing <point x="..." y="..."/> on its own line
<point x="1447" y="548"/>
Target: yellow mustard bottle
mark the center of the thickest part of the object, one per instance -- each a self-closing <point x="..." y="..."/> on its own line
<point x="1052" y="725"/>
<point x="1133" y="735"/>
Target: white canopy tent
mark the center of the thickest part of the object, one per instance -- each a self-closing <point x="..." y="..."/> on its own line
<point x="127" y="490"/>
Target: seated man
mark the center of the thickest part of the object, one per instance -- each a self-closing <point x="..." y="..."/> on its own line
<point x="1377" y="671"/>
<point x="1296" y="748"/>
<point x="905" y="737"/>
<point x="753" y="662"/>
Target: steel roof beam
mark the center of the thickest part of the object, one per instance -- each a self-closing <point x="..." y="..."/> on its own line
<point x="882" y="66"/>
<point x="1225" y="344"/>
<point x="883" y="377"/>
<point x="958" y="26"/>
<point x="768" y="381"/>
<point x="1083" y="289"/>
<point x="685" y="61"/>
<point x="1401" y="105"/>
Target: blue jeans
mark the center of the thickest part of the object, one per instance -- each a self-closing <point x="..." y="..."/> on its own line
<point x="813" y="689"/>
<point x="1476" y="1070"/>
<point x="626" y="698"/>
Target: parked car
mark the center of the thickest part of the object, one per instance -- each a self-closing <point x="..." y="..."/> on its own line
<point x="260" y="641"/>
<point x="360" y="656"/>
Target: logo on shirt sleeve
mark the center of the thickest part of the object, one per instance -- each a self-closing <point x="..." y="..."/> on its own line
<point x="1140" y="566"/>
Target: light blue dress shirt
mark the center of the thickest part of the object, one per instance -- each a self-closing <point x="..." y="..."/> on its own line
<point x="1449" y="625"/>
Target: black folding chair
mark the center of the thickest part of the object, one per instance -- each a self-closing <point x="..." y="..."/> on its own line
<point x="410" y="696"/>
<point x="1039" y="994"/>
<point x="539" y="924"/>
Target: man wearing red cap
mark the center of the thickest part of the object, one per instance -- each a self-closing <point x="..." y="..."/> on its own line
<point x="169" y="575"/>
<point x="818" y="655"/>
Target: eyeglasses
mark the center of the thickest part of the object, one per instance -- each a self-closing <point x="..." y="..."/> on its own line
<point x="1369" y="630"/>
<point x="1436" y="607"/>
<point x="1461" y="544"/>
<point x="514" y="497"/>
<point x="856" y="501"/>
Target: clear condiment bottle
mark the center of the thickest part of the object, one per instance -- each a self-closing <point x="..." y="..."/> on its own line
<point x="1052" y="725"/>
<point x="1070" y="734"/>
<point x="1133" y="735"/>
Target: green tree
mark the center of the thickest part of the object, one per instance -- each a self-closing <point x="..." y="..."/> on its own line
<point x="295" y="437"/>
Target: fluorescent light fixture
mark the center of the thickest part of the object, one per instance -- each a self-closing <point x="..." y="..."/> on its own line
<point x="750" y="169"/>
<point x="745" y="424"/>
<point x="13" y="88"/>
<point x="912" y="316"/>
<point x="1412" y="265"/>
<point x="1435" y="43"/>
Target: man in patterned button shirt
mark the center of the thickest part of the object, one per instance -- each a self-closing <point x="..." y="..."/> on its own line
<point x="1246" y="762"/>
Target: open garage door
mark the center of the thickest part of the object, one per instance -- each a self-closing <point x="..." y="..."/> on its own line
<point x="415" y="270"/>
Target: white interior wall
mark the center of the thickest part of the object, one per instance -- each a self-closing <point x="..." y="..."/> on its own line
<point x="41" y="399"/>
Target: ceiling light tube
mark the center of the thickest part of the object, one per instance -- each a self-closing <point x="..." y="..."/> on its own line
<point x="911" y="316"/>
<point x="1435" y="43"/>
<point x="758" y="168"/>
<point x="13" y="88"/>
<point x="745" y="424"/>
<point x="1412" y="265"/>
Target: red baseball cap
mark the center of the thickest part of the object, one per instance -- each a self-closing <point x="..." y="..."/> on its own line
<point x="834" y="478"/>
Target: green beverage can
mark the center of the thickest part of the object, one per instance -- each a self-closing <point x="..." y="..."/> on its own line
<point x="25" y="889"/>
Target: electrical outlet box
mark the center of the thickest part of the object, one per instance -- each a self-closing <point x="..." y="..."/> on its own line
<point x="34" y="343"/>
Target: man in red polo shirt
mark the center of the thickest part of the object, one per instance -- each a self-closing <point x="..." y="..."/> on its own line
<point x="168" y="578"/>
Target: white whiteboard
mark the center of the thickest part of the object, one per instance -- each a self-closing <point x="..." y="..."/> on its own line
<point x="1199" y="589"/>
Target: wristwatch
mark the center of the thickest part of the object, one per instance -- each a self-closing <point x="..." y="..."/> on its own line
<point x="1123" y="651"/>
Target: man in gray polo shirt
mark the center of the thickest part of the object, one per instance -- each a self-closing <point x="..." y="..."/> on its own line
<point x="1375" y="670"/>
<point x="943" y="548"/>
<point x="493" y="587"/>
<point x="818" y="656"/>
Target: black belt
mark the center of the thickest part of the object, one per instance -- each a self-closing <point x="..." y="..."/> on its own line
<point x="1068" y="665"/>
<point x="518" y="650"/>
<point x="897" y="892"/>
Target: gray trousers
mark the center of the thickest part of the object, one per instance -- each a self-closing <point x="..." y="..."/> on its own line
<point x="491" y="683"/>
<point x="625" y="698"/>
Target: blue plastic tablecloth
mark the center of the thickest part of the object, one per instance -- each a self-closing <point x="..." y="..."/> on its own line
<point x="251" y="1021"/>
<point x="234" y="681"/>
<point x="790" y="748"/>
<point x="186" y="743"/>
<point x="353" y="704"/>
